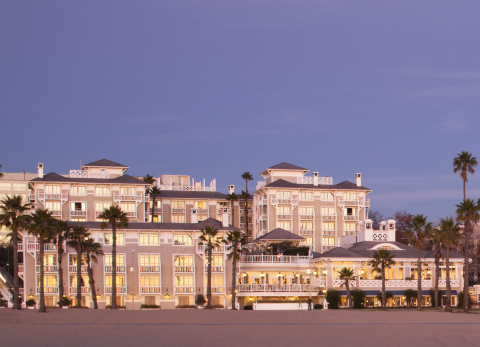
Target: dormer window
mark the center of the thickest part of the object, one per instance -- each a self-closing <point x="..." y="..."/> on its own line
<point x="384" y="245"/>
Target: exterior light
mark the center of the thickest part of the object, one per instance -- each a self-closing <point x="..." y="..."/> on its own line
<point x="262" y="275"/>
<point x="362" y="272"/>
<point x="244" y="275"/>
<point x="297" y="275"/>
<point x="324" y="291"/>
<point x="315" y="273"/>
<point x="251" y="299"/>
<point x="279" y="275"/>
<point x="308" y="271"/>
<point x="324" y="272"/>
<point x="236" y="290"/>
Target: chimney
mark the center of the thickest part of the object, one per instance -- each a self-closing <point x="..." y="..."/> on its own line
<point x="40" y="170"/>
<point x="225" y="217"/>
<point x="231" y="189"/>
<point x="358" y="177"/>
<point x="315" y="178"/>
<point x="193" y="216"/>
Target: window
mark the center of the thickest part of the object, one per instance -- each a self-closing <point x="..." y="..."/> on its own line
<point x="282" y="194"/>
<point x="72" y="259"/>
<point x="349" y="196"/>
<point x="19" y="187"/>
<point x="78" y="206"/>
<point x="182" y="240"/>
<point x="350" y="211"/>
<point x="242" y="204"/>
<point x="183" y="260"/>
<point x="184" y="300"/>
<point x="78" y="190"/>
<point x="48" y="281"/>
<point x="120" y="259"/>
<point x="329" y="241"/>
<point x="157" y="218"/>
<point x="149" y="260"/>
<point x="308" y="241"/>
<point x="327" y="196"/>
<point x="102" y="191"/>
<point x="149" y="300"/>
<point x="178" y="218"/>
<point x="184" y="281"/>
<point x="52" y="189"/>
<point x="217" y="281"/>
<point x="120" y="300"/>
<point x="128" y="207"/>
<point x="242" y="219"/>
<point x="120" y="239"/>
<point x="328" y="211"/>
<point x="217" y="260"/>
<point x="148" y="239"/>
<point x="120" y="280"/>
<point x="101" y="206"/>
<point x="284" y="210"/>
<point x="48" y="259"/>
<point x="328" y="226"/>
<point x="286" y="225"/>
<point x="85" y="281"/>
<point x="5" y="186"/>
<point x="306" y="226"/>
<point x="157" y="202"/>
<point x="53" y="205"/>
<point x="202" y="217"/>
<point x="178" y="204"/>
<point x="127" y="191"/>
<point x="306" y="210"/>
<point x="306" y="196"/>
<point x="350" y="226"/>
<point x="201" y="204"/>
<point x="149" y="281"/>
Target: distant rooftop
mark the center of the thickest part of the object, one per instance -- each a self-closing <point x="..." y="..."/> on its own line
<point x="104" y="163"/>
<point x="287" y="166"/>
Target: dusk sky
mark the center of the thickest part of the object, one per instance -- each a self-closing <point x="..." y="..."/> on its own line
<point x="210" y="89"/>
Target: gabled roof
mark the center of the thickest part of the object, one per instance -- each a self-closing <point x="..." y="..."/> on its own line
<point x="124" y="179"/>
<point x="279" y="235"/>
<point x="345" y="185"/>
<point x="287" y="166"/>
<point x="182" y="194"/>
<point x="337" y="252"/>
<point x="104" y="163"/>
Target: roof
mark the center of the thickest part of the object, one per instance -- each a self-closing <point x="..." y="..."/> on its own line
<point x="164" y="226"/>
<point x="397" y="292"/>
<point x="190" y="195"/>
<point x="287" y="166"/>
<point x="105" y="163"/>
<point x="279" y="235"/>
<point x="345" y="185"/>
<point x="124" y="179"/>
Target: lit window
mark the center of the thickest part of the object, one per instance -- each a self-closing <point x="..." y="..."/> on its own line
<point x="148" y="239"/>
<point x="178" y="204"/>
<point x="182" y="240"/>
<point x="306" y="210"/>
<point x="283" y="194"/>
<point x="120" y="239"/>
<point x="178" y="218"/>
<point x="327" y="196"/>
<point x="328" y="211"/>
<point x="5" y="186"/>
<point x="328" y="226"/>
<point x="19" y="187"/>
<point x="78" y="190"/>
<point x="306" y="196"/>
<point x="102" y="191"/>
<point x="127" y="191"/>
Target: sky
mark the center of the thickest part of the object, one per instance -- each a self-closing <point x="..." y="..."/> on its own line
<point x="213" y="88"/>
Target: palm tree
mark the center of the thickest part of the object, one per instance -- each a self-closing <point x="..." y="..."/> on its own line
<point x="210" y="240"/>
<point x="236" y="241"/>
<point x="464" y="162"/>
<point x="153" y="191"/>
<point x="1" y="174"/>
<point x="232" y="197"/>
<point x="247" y="177"/>
<point x="346" y="274"/>
<point x="76" y="240"/>
<point x="61" y="231"/>
<point x="436" y="243"/>
<point x="466" y="212"/>
<point x="417" y="235"/>
<point x="381" y="260"/>
<point x="245" y="196"/>
<point x="41" y="225"/>
<point x="114" y="217"/>
<point x="149" y="179"/>
<point x="13" y="216"/>
<point x="450" y="236"/>
<point x="92" y="249"/>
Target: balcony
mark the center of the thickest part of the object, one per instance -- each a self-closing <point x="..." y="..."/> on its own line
<point x="319" y="282"/>
<point x="131" y="214"/>
<point x="149" y="268"/>
<point x="307" y="216"/>
<point x="361" y="202"/>
<point x="89" y="174"/>
<point x="337" y="282"/>
<point x="454" y="282"/>
<point x="150" y="290"/>
<point x="276" y="201"/>
<point x="48" y="290"/>
<point x="178" y="210"/>
<point x="43" y="196"/>
<point x="136" y="198"/>
<point x="270" y="288"/>
<point x="83" y="290"/>
<point x="185" y="290"/>
<point x="199" y="210"/>
<point x="242" y="225"/>
<point x="221" y="210"/>
<point x="352" y="218"/>
<point x="73" y="268"/>
<point x="215" y="269"/>
<point x="78" y="213"/>
<point x="56" y="213"/>
<point x="120" y="268"/>
<point x="306" y="231"/>
<point x="184" y="268"/>
<point x="21" y="269"/>
<point x="35" y="247"/>
<point x="283" y="259"/>
<point x="329" y="232"/>
<point x="426" y="283"/>
<point x="328" y="247"/>
<point x="31" y="197"/>
<point x="329" y="217"/>
<point x="218" y="249"/>
<point x="120" y="290"/>
<point x="216" y="290"/>
<point x="284" y="216"/>
<point x="157" y="210"/>
<point x="47" y="268"/>
<point x="20" y="247"/>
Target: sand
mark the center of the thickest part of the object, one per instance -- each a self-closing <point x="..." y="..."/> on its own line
<point x="86" y="327"/>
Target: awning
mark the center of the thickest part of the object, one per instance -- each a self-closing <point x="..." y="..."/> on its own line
<point x="425" y="292"/>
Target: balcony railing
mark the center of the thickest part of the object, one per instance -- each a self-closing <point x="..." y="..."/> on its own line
<point x="83" y="290"/>
<point x="327" y="248"/>
<point x="180" y="268"/>
<point x="20" y="247"/>
<point x="454" y="282"/>
<point x="276" y="201"/>
<point x="119" y="197"/>
<point x="354" y="218"/>
<point x="242" y="225"/>
<point x="178" y="210"/>
<point x="150" y="290"/>
<point x="188" y="188"/>
<point x="202" y="249"/>
<point x="56" y="213"/>
<point x="284" y="216"/>
<point x="306" y="231"/>
<point x="329" y="232"/>
<point x="47" y="268"/>
<point x="285" y="259"/>
<point x="157" y="210"/>
<point x="78" y="213"/>
<point x="120" y="268"/>
<point x="184" y="290"/>
<point x="43" y="196"/>
<point x="73" y="268"/>
<point x="149" y="268"/>
<point x="216" y="269"/>
<point x="31" y="197"/>
<point x="48" y="290"/>
<point x="329" y="217"/>
<point x="199" y="210"/>
<point x="89" y="174"/>
<point x="275" y="288"/>
<point x="338" y="282"/>
<point x="319" y="282"/>
<point x="427" y="283"/>
<point x="131" y="214"/>
<point x="357" y="202"/>
<point x="32" y="247"/>
<point x="307" y="216"/>
<point x="216" y="290"/>
<point x="21" y="268"/>
<point x="120" y="290"/>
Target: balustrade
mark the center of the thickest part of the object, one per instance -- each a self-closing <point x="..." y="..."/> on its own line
<point x="48" y="290"/>
<point x="149" y="268"/>
<point x="329" y="217"/>
<point x="216" y="269"/>
<point x="354" y="218"/>
<point x="426" y="283"/>
<point x="217" y="249"/>
<point x="73" y="268"/>
<point x="275" y="287"/>
<point x="150" y="290"/>
<point x="184" y="268"/>
<point x="274" y="259"/>
<point x="120" y="268"/>
<point x="120" y="290"/>
<point x="83" y="290"/>
<point x="276" y="201"/>
<point x="307" y="216"/>
<point x="78" y="213"/>
<point x="306" y="231"/>
<point x="47" y="268"/>
<point x="338" y="282"/>
<point x="184" y="290"/>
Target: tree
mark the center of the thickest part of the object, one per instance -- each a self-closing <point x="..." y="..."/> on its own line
<point x="376" y="217"/>
<point x="210" y="240"/>
<point x="1" y="174"/>
<point x="13" y="217"/>
<point x="153" y="191"/>
<point x="346" y="274"/>
<point x="76" y="240"/>
<point x="235" y="241"/>
<point x="449" y="235"/>
<point x="149" y="179"/>
<point x="41" y="225"/>
<point x="465" y="163"/>
<point x="60" y="234"/>
<point x="382" y="259"/>
<point x="409" y="295"/>
<point x="417" y="234"/>
<point x="245" y="196"/>
<point x="232" y="197"/>
<point x="466" y="212"/>
<point x="436" y="243"/>
<point x="115" y="218"/>
<point x="403" y="219"/>
<point x="92" y="249"/>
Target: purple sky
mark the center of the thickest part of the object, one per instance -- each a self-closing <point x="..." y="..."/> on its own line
<point x="215" y="88"/>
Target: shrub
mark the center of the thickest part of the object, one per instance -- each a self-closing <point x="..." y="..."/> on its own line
<point x="409" y="295"/>
<point x="333" y="298"/>
<point x="432" y="298"/>
<point x="149" y="306"/>
<point x="30" y="302"/>
<point x="358" y="297"/>
<point x="109" y="306"/>
<point x="186" y="306"/>
<point x="66" y="301"/>
<point x="388" y="295"/>
<point x="318" y="306"/>
<point x="297" y="251"/>
<point x="281" y="301"/>
<point x="248" y="308"/>
<point x="217" y="306"/>
<point x="460" y="300"/>
<point x="200" y="300"/>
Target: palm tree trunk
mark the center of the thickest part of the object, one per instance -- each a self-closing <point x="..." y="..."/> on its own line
<point x="79" y="275"/>
<point x="232" y="211"/>
<point x="465" y="266"/>
<point x="42" y="270"/>
<point x="349" y="295"/>
<point x="153" y="207"/>
<point x="464" y="193"/>
<point x="437" y="274"/>
<point x="91" y="281"/>
<point x="209" y="278"/>
<point x="384" y="294"/>
<point x="234" y="276"/>
<point x="114" y="266"/>
<point x="419" y="280"/>
<point x="60" y="272"/>
<point x="245" y="213"/>
<point x="16" y="291"/>
<point x="448" y="303"/>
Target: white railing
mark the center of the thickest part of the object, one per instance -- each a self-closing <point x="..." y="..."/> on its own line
<point x="242" y="225"/>
<point x="178" y="210"/>
<point x="329" y="232"/>
<point x="284" y="216"/>
<point x="395" y="283"/>
<point x="89" y="174"/>
<point x="119" y="197"/>
<point x="216" y="290"/>
<point x="32" y="247"/>
<point x="337" y="282"/>
<point x="157" y="210"/>
<point x="285" y="259"/>
<point x="120" y="290"/>
<point x="47" y="268"/>
<point x="188" y="188"/>
<point x="275" y="287"/>
<point x="454" y="282"/>
<point x="276" y="201"/>
<point x="21" y="268"/>
<point x="20" y="247"/>
<point x="199" y="210"/>
<point x="56" y="213"/>
<point x="31" y="197"/>
<point x="202" y="249"/>
<point x="307" y="216"/>
<point x="48" y="290"/>
<point x="354" y="218"/>
<point x="78" y="213"/>
<point x="98" y="213"/>
<point x="319" y="282"/>
<point x="328" y="247"/>
<point x="44" y="196"/>
<point x="149" y="268"/>
<point x="184" y="290"/>
<point x="73" y="268"/>
<point x="131" y="214"/>
<point x="309" y="180"/>
<point x="329" y="217"/>
<point x="150" y="290"/>
<point x="83" y="290"/>
<point x="179" y="268"/>
<point x="21" y="291"/>
<point x="357" y="202"/>
<point x="120" y="268"/>
<point x="306" y="231"/>
<point x="216" y="269"/>
<point x="260" y="185"/>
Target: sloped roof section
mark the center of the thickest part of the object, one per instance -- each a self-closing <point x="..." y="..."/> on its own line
<point x="190" y="195"/>
<point x="104" y="163"/>
<point x="338" y="252"/>
<point x="287" y="166"/>
<point x="345" y="185"/>
<point x="124" y="179"/>
<point x="279" y="235"/>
